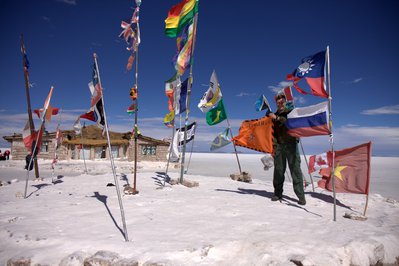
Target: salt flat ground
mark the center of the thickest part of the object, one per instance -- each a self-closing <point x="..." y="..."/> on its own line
<point x="220" y="222"/>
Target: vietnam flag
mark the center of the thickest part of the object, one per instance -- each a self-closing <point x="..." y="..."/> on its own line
<point x="256" y="135"/>
<point x="352" y="170"/>
<point x="179" y="16"/>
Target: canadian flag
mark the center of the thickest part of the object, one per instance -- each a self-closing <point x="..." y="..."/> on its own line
<point x="317" y="162"/>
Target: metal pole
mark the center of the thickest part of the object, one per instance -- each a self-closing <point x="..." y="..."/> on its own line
<point x="136" y="128"/>
<point x="26" y="76"/>
<point x="331" y="131"/>
<point x="234" y="145"/>
<point x="190" y="81"/>
<point x="83" y="147"/>
<point x="110" y="155"/>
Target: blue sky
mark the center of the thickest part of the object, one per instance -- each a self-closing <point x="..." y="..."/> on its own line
<point x="251" y="45"/>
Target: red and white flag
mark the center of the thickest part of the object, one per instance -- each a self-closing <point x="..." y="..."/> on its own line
<point x="288" y="94"/>
<point x="317" y="162"/>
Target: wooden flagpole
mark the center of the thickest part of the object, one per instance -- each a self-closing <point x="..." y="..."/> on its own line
<point x="110" y="153"/>
<point x="189" y="84"/>
<point x="34" y="151"/>
<point x="331" y="131"/>
<point x="26" y="76"/>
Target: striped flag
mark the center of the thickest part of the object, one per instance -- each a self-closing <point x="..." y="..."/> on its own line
<point x="309" y="121"/>
<point x="184" y="44"/>
<point x="95" y="87"/>
<point x="179" y="16"/>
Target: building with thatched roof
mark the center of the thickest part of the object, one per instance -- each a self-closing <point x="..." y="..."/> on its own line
<point x="92" y="145"/>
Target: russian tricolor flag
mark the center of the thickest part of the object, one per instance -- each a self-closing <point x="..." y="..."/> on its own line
<point x="309" y="121"/>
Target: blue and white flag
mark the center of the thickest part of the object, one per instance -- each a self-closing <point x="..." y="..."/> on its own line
<point x="262" y="104"/>
<point x="309" y="121"/>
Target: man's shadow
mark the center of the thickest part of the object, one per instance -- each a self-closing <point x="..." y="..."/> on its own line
<point x="103" y="199"/>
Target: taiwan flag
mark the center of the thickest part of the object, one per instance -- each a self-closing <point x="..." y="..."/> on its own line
<point x="312" y="68"/>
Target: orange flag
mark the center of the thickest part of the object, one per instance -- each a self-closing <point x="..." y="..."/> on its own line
<point x="352" y="170"/>
<point x="256" y="135"/>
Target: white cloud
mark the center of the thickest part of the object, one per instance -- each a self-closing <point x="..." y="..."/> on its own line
<point x="281" y="85"/>
<point x="385" y="110"/>
<point x="69" y="2"/>
<point x="357" y="80"/>
<point x="241" y="94"/>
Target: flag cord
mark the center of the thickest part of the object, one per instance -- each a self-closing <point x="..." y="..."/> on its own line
<point x="189" y="84"/>
<point x="26" y="76"/>
<point x="307" y="164"/>
<point x="110" y="153"/>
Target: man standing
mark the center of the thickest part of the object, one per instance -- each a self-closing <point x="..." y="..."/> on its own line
<point x="286" y="151"/>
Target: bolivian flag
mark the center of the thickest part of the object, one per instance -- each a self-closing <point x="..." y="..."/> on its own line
<point x="179" y="16"/>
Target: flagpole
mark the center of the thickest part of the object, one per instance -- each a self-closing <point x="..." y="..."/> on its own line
<point x="173" y="130"/>
<point x="170" y="151"/>
<point x="192" y="146"/>
<point x="331" y="131"/>
<point x="234" y="145"/>
<point x="34" y="152"/>
<point x="303" y="151"/>
<point x="136" y="128"/>
<point x="110" y="154"/>
<point x="56" y="147"/>
<point x="83" y="147"/>
<point x="31" y="124"/>
<point x="189" y="84"/>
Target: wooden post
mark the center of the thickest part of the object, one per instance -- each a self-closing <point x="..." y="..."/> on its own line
<point x="26" y="76"/>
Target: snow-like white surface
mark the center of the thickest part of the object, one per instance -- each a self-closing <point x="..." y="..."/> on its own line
<point x="220" y="222"/>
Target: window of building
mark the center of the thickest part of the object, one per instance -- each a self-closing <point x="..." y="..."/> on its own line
<point x="148" y="150"/>
<point x="44" y="147"/>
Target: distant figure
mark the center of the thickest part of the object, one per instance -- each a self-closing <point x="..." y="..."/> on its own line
<point x="2" y="158"/>
<point x="7" y="154"/>
<point x="27" y="160"/>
